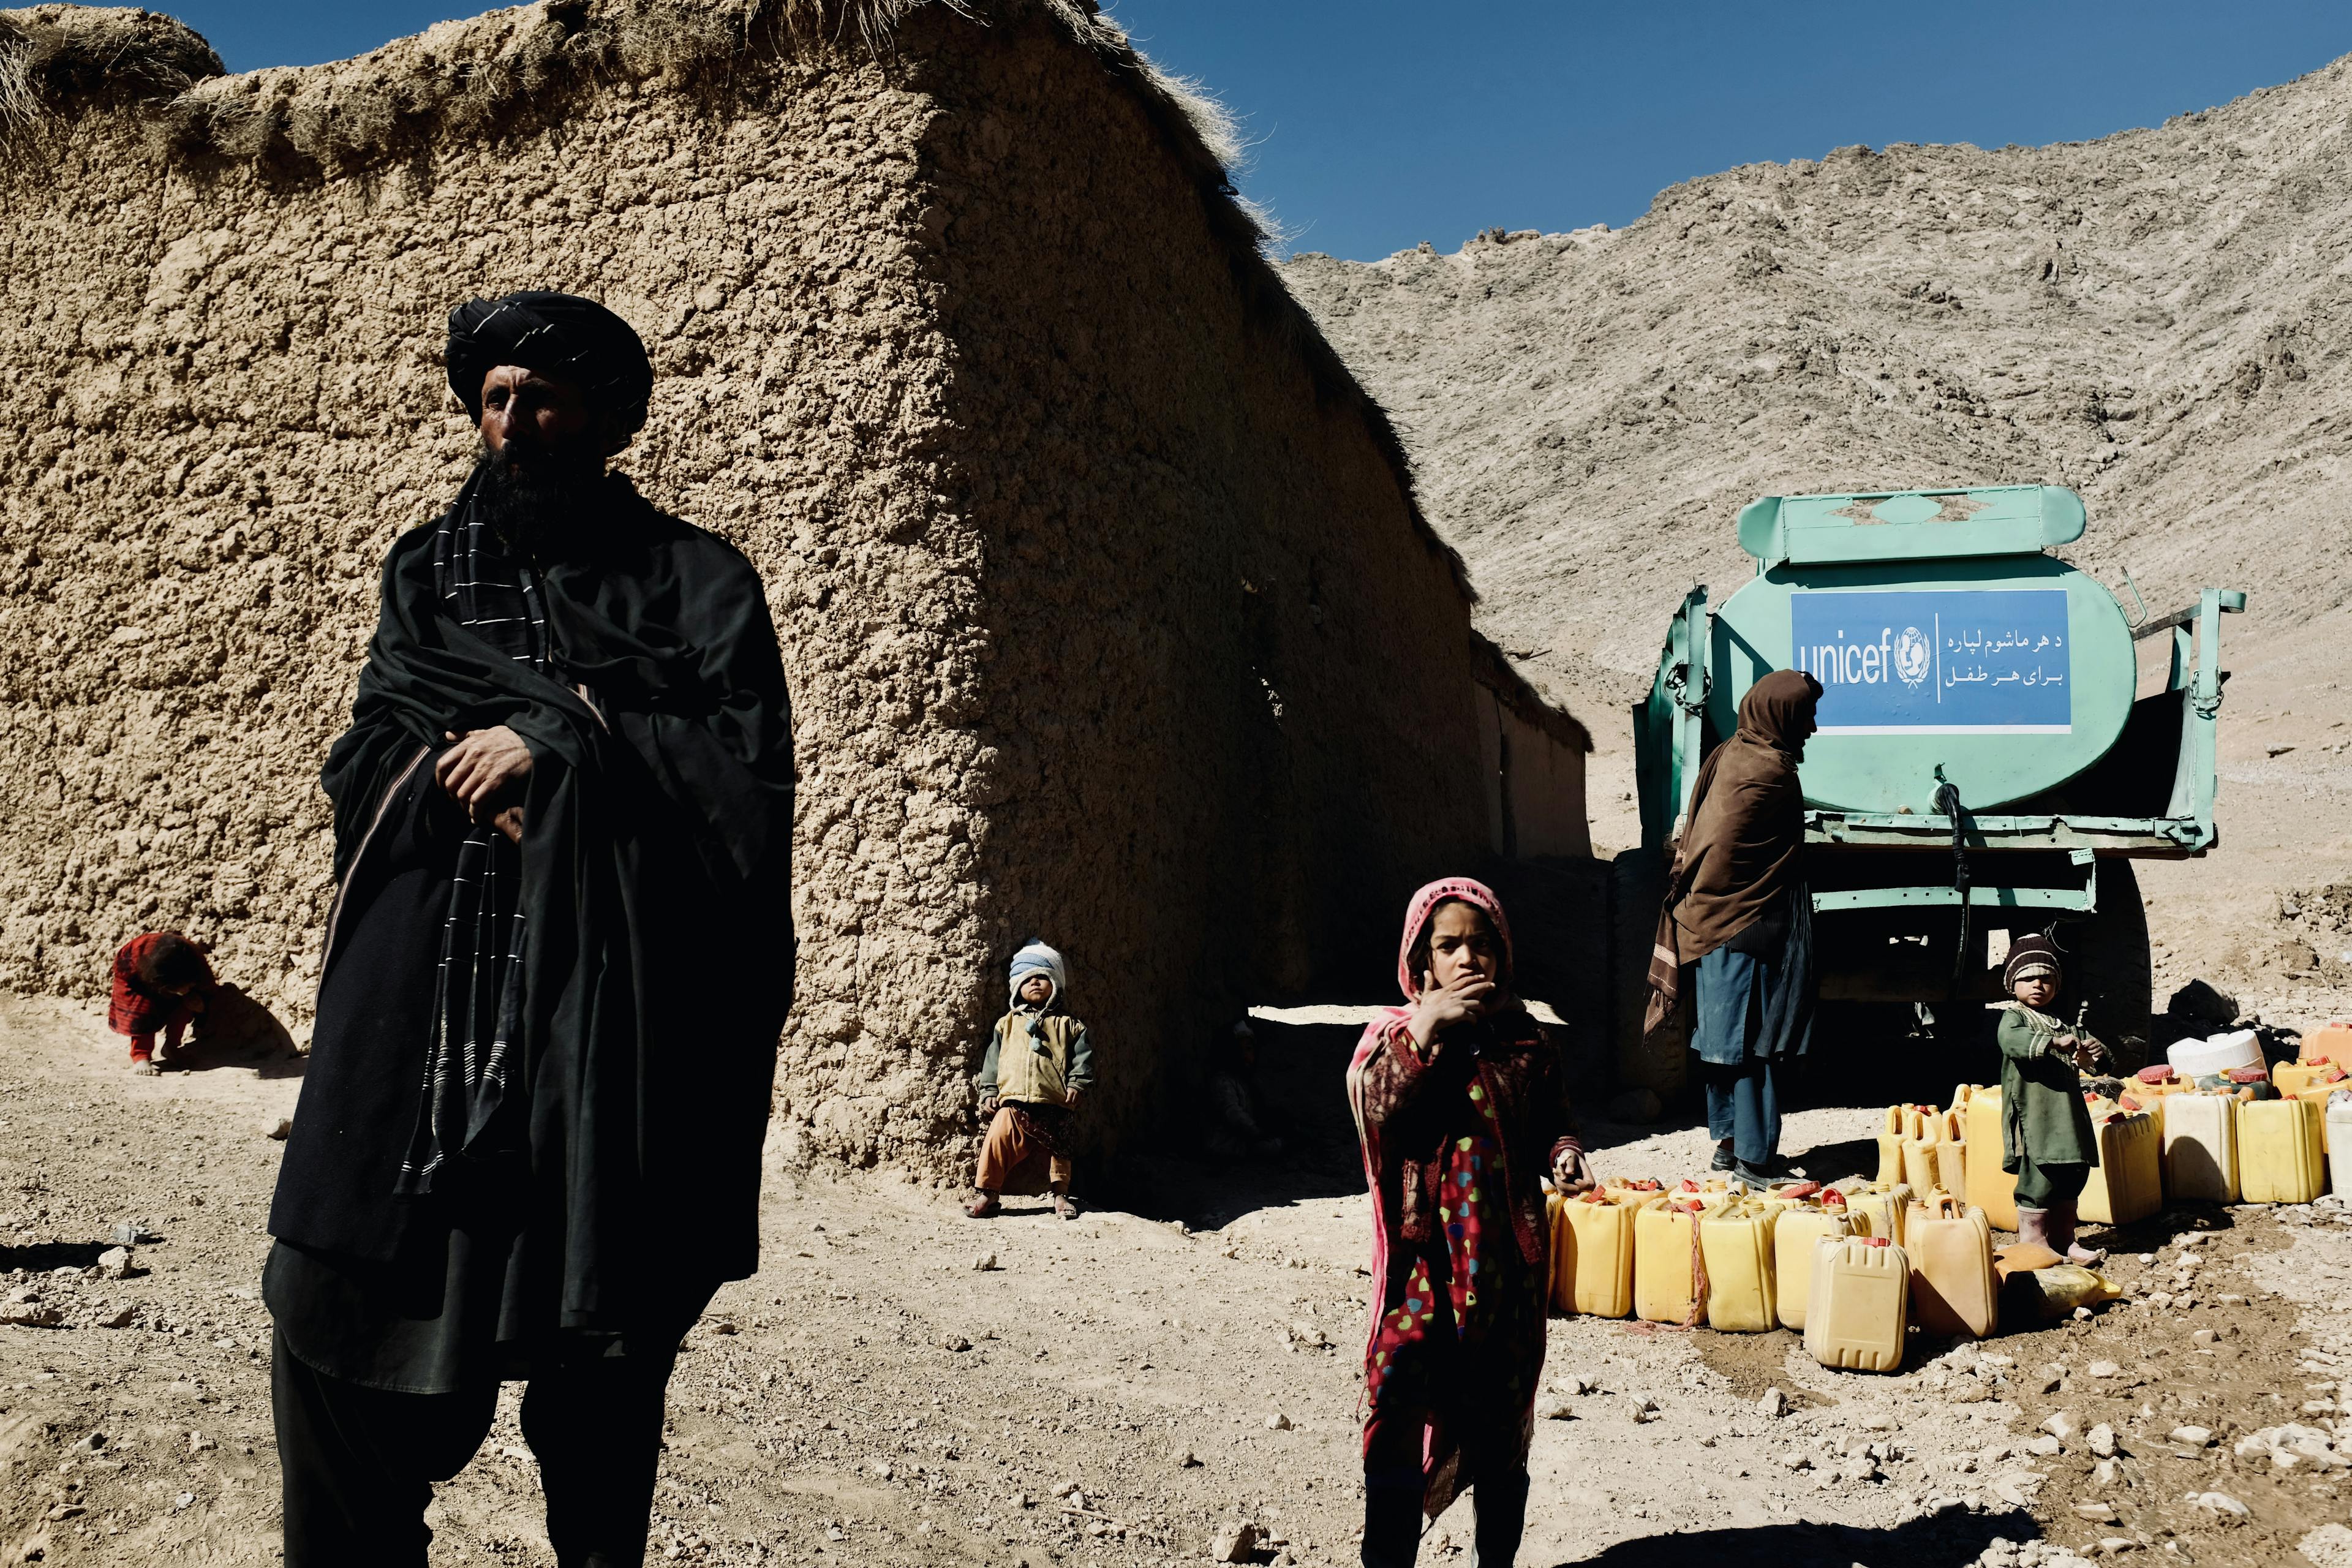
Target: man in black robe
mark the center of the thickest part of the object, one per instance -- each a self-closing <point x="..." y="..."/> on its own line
<point x="560" y="954"/>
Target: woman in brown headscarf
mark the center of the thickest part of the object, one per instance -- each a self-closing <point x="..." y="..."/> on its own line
<point x="1740" y="910"/>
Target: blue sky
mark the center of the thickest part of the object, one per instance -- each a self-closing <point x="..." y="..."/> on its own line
<point x="1377" y="124"/>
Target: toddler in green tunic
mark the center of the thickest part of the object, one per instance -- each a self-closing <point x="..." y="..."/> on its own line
<point x="2046" y="1137"/>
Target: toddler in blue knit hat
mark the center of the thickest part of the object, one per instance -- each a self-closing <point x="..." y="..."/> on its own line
<point x="1039" y="1066"/>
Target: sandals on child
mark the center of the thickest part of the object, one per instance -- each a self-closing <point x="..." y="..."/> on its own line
<point x="983" y="1206"/>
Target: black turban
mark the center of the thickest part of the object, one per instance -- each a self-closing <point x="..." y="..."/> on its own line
<point x="560" y="335"/>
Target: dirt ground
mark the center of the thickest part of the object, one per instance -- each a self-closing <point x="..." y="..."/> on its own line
<point x="900" y="1384"/>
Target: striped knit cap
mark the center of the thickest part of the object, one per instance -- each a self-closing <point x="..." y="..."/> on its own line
<point x="2029" y="956"/>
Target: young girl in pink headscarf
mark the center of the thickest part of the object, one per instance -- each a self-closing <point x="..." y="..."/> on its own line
<point x="1461" y="1109"/>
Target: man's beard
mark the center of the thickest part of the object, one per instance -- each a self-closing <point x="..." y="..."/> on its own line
<point x="540" y="508"/>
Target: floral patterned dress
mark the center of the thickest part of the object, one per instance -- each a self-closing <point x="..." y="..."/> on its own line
<point x="1456" y="1352"/>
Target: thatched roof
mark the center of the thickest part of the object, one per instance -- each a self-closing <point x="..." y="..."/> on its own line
<point x="461" y="78"/>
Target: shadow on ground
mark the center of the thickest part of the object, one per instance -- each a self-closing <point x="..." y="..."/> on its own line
<point x="1862" y="1055"/>
<point x="1942" y="1543"/>
<point x="236" y="1030"/>
<point x="1301" y="1088"/>
<point x="42" y="1257"/>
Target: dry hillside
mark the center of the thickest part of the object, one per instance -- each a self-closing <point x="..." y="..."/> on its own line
<point x="2157" y="318"/>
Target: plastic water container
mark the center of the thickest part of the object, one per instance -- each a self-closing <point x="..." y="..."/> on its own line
<point x="1627" y="1191"/>
<point x="2152" y="1097"/>
<point x="1890" y="1145"/>
<point x="1919" y="1171"/>
<point x="2216" y="1054"/>
<point x="2282" y="1150"/>
<point x="2294" y="1078"/>
<point x="2339" y="1146"/>
<point x="2201" y="1148"/>
<point x="1879" y="1209"/>
<point x="1954" y="1290"/>
<point x="1737" y="1243"/>
<point x="1860" y="1304"/>
<point x="2321" y="1090"/>
<point x="1989" y="1187"/>
<point x="1793" y="1241"/>
<point x="1952" y="1153"/>
<point x="1592" y="1254"/>
<point x="2128" y="1183"/>
<point x="1715" y="1198"/>
<point x="2332" y="1044"/>
<point x="1665" y="1265"/>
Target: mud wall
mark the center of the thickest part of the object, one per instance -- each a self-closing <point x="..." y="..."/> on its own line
<point x="1105" y="620"/>
<point x="225" y="400"/>
<point x="1535" y="785"/>
<point x="1230" y="724"/>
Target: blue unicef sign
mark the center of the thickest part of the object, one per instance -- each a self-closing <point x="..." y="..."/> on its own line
<point x="1983" y="662"/>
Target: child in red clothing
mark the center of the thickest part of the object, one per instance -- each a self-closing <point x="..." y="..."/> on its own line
<point x="161" y="981"/>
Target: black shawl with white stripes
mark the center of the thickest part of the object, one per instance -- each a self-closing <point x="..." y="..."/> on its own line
<point x="477" y="986"/>
<point x="599" y="1066"/>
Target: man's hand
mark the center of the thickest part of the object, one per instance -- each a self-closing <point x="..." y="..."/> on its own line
<point x="1572" y="1173"/>
<point x="988" y="1103"/>
<point x="1071" y="1095"/>
<point x="483" y="766"/>
<point x="1468" y="996"/>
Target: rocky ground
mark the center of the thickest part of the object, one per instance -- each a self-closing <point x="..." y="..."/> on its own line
<point x="899" y="1384"/>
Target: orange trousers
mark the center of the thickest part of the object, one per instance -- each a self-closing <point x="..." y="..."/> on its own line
<point x="1016" y="1143"/>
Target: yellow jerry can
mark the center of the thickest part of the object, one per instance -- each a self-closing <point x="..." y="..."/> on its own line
<point x="1592" y="1254"/>
<point x="2293" y="1077"/>
<point x="1792" y="1256"/>
<point x="1952" y="1153"/>
<point x="1666" y="1265"/>
<point x="2282" y="1150"/>
<point x="1954" y="1290"/>
<point x="1890" y="1145"/>
<point x="1879" y="1210"/>
<point x="1736" y="1245"/>
<point x="2128" y="1183"/>
<point x="1860" y="1304"/>
<point x="1920" y="1156"/>
<point x="1632" y="1189"/>
<point x="2152" y="1096"/>
<point x="1989" y="1187"/>
<point x="2201" y="1148"/>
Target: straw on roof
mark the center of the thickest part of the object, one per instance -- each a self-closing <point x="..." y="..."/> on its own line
<point x="465" y="76"/>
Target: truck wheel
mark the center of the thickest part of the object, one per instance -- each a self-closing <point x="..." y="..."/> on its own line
<point x="2107" y="960"/>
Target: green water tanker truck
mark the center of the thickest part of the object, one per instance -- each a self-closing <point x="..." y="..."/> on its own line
<point x="1999" y="743"/>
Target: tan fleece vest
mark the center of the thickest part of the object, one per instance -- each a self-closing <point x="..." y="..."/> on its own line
<point x="1022" y="1071"/>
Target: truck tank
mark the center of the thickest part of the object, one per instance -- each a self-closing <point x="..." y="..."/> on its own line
<point x="1998" y="742"/>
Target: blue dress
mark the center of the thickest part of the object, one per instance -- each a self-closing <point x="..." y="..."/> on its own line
<point x="1754" y="1006"/>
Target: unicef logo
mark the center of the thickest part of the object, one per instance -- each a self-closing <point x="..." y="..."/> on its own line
<point x="1911" y="656"/>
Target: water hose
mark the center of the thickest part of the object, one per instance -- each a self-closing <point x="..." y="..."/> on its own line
<point x="1947" y="801"/>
